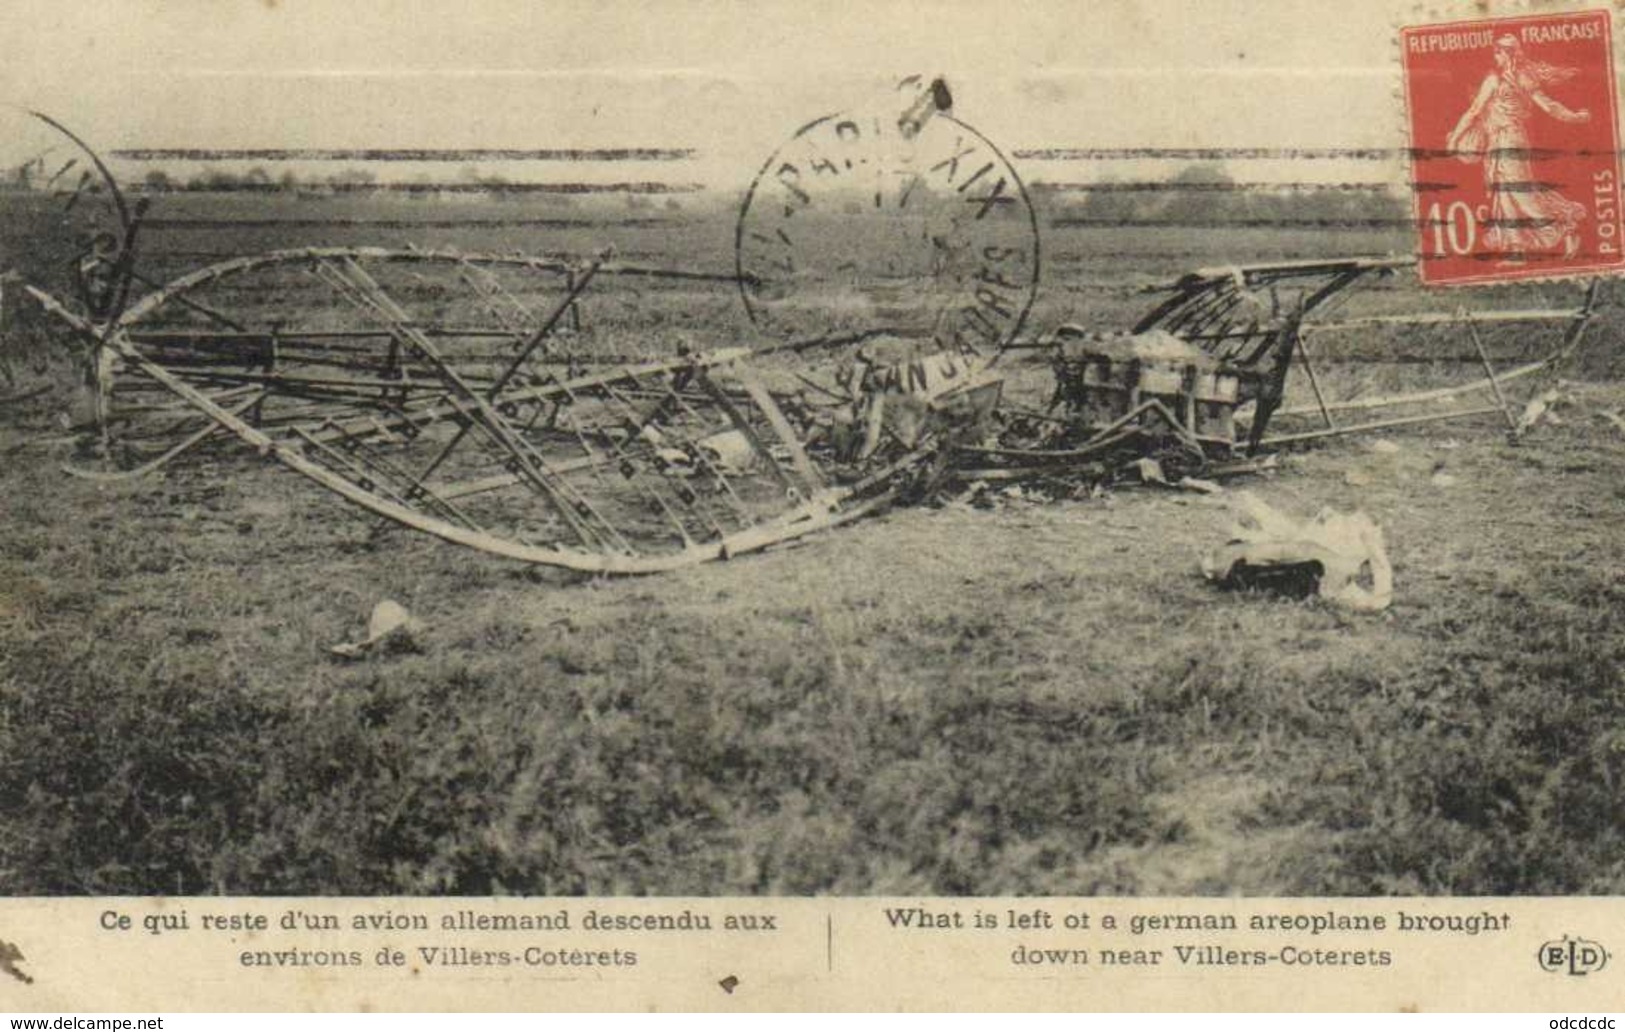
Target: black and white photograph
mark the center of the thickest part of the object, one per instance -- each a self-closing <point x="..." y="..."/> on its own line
<point x="1136" y="449"/>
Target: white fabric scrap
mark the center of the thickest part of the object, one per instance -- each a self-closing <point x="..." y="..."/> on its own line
<point x="1347" y="546"/>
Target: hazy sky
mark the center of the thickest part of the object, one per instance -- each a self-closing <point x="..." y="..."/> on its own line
<point x="730" y="80"/>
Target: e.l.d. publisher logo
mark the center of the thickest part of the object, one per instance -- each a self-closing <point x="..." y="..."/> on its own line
<point x="1572" y="956"/>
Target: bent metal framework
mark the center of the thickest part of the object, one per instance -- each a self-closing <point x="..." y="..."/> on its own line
<point x="440" y="390"/>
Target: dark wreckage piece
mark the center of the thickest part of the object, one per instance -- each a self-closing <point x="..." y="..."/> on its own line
<point x="1247" y="319"/>
<point x="1174" y="385"/>
<point x="1169" y="387"/>
<point x="1255" y="321"/>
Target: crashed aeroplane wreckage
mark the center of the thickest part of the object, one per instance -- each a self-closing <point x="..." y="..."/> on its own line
<point x="460" y="411"/>
<point x="446" y="391"/>
<point x="488" y="435"/>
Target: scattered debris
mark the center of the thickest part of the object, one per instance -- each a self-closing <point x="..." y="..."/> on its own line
<point x="729" y="451"/>
<point x="1149" y="471"/>
<point x="1538" y="410"/>
<point x="391" y="629"/>
<point x="1341" y="557"/>
<point x="1203" y="486"/>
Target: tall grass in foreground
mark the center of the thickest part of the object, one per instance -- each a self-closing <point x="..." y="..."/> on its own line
<point x="1029" y="734"/>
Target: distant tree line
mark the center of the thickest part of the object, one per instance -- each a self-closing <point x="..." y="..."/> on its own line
<point x="1205" y="194"/>
<point x="259" y="180"/>
<point x="351" y="179"/>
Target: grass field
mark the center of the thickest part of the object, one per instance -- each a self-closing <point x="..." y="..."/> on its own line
<point x="1034" y="697"/>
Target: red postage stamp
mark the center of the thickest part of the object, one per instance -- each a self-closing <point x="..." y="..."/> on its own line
<point x="1515" y="168"/>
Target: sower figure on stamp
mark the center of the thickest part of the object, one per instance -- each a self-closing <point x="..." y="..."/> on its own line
<point x="1525" y="216"/>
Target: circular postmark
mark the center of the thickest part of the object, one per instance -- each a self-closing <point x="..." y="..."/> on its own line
<point x="889" y="222"/>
